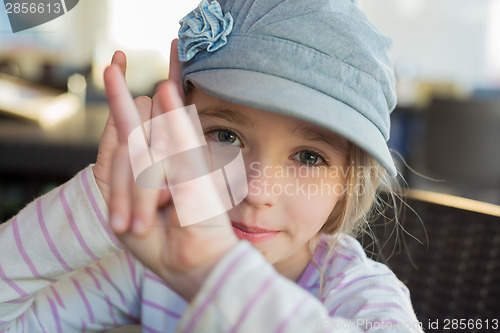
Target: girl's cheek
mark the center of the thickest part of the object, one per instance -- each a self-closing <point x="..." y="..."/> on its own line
<point x="315" y="188"/>
<point x="314" y="196"/>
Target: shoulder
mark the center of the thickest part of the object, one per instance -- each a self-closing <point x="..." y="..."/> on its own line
<point x="349" y="251"/>
<point x="343" y="271"/>
<point x="342" y="252"/>
<point x="344" y="263"/>
<point x="340" y="260"/>
<point x="355" y="285"/>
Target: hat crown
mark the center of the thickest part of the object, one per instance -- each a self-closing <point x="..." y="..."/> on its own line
<point x="337" y="28"/>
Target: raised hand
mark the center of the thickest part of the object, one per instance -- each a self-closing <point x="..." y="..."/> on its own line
<point x="145" y="220"/>
<point x="109" y="138"/>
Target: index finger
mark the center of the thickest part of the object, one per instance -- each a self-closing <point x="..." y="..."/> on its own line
<point x="120" y="59"/>
<point x="174" y="73"/>
<point x="121" y="103"/>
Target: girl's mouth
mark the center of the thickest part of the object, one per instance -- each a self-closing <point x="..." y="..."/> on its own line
<point x="252" y="234"/>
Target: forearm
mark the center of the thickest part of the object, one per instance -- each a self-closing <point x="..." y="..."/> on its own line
<point x="54" y="235"/>
<point x="245" y="294"/>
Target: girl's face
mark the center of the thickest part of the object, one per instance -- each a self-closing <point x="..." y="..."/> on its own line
<point x="295" y="176"/>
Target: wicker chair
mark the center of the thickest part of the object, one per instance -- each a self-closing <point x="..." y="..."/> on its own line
<point x="447" y="252"/>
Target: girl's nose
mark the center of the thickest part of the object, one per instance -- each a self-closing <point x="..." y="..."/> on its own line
<point x="263" y="185"/>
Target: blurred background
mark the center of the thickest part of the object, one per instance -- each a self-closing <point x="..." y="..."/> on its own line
<point x="446" y="127"/>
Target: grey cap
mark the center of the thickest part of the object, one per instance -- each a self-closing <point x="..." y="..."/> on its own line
<point x="321" y="61"/>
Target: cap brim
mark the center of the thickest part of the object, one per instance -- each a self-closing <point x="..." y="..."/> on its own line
<point x="275" y="94"/>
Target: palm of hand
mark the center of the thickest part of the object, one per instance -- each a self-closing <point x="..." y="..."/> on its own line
<point x="145" y="220"/>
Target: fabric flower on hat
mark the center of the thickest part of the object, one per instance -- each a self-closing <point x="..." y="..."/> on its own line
<point x="204" y="28"/>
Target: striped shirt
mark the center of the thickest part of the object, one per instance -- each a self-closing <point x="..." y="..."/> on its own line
<point x="63" y="270"/>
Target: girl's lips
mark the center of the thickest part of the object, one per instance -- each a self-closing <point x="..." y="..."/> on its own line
<point x="253" y="234"/>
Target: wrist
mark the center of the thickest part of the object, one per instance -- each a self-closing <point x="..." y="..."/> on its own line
<point x="187" y="283"/>
<point x="103" y="187"/>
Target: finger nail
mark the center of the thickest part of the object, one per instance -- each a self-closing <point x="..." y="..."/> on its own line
<point x="116" y="222"/>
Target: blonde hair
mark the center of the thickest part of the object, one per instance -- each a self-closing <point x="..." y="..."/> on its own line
<point x="360" y="204"/>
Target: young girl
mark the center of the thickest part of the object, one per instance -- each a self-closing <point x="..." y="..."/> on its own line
<point x="304" y="89"/>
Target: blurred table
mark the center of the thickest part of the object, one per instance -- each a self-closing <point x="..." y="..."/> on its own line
<point x="61" y="151"/>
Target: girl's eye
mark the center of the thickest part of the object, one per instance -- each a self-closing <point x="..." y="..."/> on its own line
<point x="225" y="136"/>
<point x="309" y="158"/>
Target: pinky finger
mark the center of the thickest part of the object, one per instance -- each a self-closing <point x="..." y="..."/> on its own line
<point x="120" y="202"/>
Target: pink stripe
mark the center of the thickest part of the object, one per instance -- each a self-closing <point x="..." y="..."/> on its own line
<point x="131" y="312"/>
<point x="96" y="282"/>
<point x="284" y="322"/>
<point x="22" y="299"/>
<point x="347" y="284"/>
<point x="234" y="263"/>
<point x="106" y="276"/>
<point x="74" y="227"/>
<point x="48" y="239"/>
<point x="150" y="329"/>
<point x="333" y="311"/>
<point x="384" y="322"/>
<point x="343" y="256"/>
<point x="43" y="329"/>
<point x="371" y="306"/>
<point x="150" y="276"/>
<point x="97" y="211"/>
<point x="161" y="308"/>
<point x="84" y="326"/>
<point x="111" y="312"/>
<point x="131" y="267"/>
<point x="329" y="279"/>
<point x="384" y="325"/>
<point x="252" y="302"/>
<point x="385" y="288"/>
<point x="11" y="283"/>
<point x="22" y="321"/>
<point x="55" y="314"/>
<point x="155" y="278"/>
<point x="84" y="299"/>
<point x="58" y="297"/>
<point x="120" y="293"/>
<point x="20" y="247"/>
<point x="321" y="251"/>
<point x="106" y="297"/>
